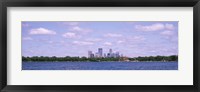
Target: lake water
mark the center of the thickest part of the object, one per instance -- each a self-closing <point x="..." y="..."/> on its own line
<point x="99" y="65"/>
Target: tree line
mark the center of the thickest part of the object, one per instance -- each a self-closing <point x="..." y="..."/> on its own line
<point x="156" y="58"/>
<point x="68" y="58"/>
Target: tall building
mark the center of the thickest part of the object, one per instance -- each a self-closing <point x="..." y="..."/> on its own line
<point x="96" y="55"/>
<point x="100" y="54"/>
<point x="117" y="54"/>
<point x="110" y="51"/>
<point x="104" y="55"/>
<point x="90" y="54"/>
<point x="100" y="51"/>
<point x="108" y="55"/>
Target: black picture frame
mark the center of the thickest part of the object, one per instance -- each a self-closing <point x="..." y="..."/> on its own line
<point x="100" y="3"/>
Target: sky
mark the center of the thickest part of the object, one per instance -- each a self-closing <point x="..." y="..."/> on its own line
<point x="132" y="39"/>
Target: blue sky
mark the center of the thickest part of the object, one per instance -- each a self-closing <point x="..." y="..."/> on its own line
<point x="131" y="39"/>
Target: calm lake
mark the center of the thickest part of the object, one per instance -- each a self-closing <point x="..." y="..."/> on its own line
<point x="99" y="65"/>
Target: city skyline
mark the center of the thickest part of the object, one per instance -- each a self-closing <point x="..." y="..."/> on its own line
<point x="133" y="39"/>
<point x="100" y="53"/>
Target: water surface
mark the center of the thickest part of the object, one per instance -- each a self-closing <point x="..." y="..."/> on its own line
<point x="99" y="65"/>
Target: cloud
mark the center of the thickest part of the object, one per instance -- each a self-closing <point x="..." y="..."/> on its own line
<point x="79" y="29"/>
<point x="135" y="39"/>
<point x="108" y="43"/>
<point x="112" y="35"/>
<point x="169" y="26"/>
<point x="120" y="41"/>
<point x="25" y="25"/>
<point x="93" y="39"/>
<point x="75" y="27"/>
<point x="170" y="35"/>
<point x="138" y="38"/>
<point x="70" y="35"/>
<point x="155" y="27"/>
<point x="132" y="41"/>
<point x="42" y="31"/>
<point x="167" y="33"/>
<point x="82" y="43"/>
<point x="27" y="38"/>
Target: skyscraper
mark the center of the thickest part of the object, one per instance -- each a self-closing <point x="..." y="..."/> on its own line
<point x="96" y="55"/>
<point x="110" y="51"/>
<point x="117" y="54"/>
<point x="100" y="51"/>
<point x="104" y="55"/>
<point x="100" y="54"/>
<point x="90" y="54"/>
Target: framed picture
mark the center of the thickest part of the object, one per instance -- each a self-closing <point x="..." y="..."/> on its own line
<point x="76" y="45"/>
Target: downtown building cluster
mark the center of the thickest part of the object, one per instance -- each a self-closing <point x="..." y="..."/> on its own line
<point x="100" y="54"/>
